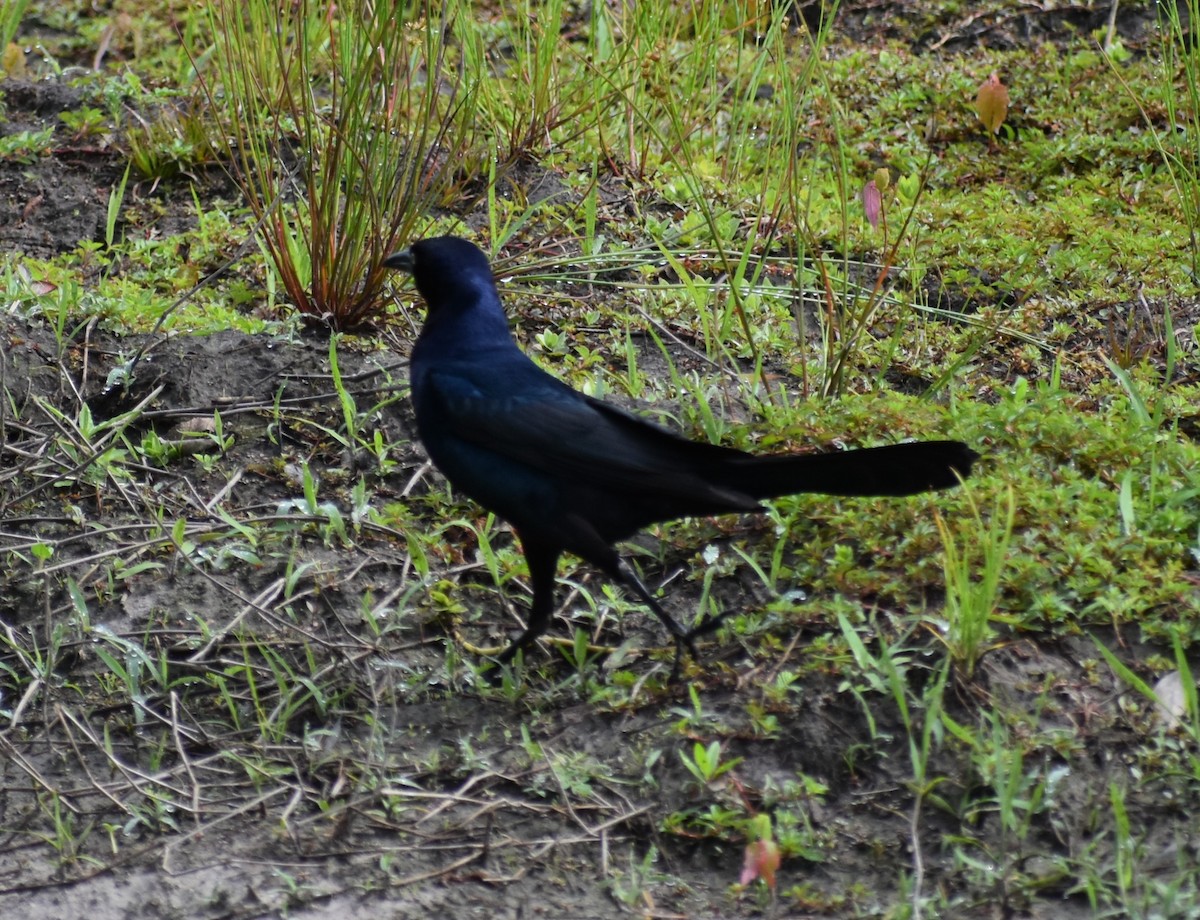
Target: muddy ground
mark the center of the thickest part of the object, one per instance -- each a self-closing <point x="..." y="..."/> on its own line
<point x="399" y="787"/>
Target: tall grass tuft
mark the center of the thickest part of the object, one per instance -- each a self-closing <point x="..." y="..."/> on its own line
<point x="1179" y="144"/>
<point x="344" y="129"/>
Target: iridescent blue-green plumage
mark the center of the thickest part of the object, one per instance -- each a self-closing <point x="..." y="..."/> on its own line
<point x="571" y="473"/>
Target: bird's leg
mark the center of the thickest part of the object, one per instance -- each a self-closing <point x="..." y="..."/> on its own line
<point x="629" y="578"/>
<point x="588" y="544"/>
<point x="683" y="637"/>
<point x="543" y="563"/>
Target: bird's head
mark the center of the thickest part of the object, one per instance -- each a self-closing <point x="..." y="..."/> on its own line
<point x="448" y="270"/>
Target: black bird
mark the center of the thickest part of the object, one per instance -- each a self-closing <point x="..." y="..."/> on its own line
<point x="571" y="473"/>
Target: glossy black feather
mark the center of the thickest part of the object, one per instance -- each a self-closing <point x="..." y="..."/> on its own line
<point x="571" y="473"/>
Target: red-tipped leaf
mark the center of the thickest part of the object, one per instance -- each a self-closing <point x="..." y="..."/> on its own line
<point x="992" y="103"/>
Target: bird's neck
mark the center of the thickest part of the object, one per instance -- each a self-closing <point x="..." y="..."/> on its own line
<point x="453" y="331"/>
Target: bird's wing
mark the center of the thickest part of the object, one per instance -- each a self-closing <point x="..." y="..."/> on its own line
<point x="547" y="426"/>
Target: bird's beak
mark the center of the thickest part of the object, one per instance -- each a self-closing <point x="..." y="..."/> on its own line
<point x="402" y="261"/>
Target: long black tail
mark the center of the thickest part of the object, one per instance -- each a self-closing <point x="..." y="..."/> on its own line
<point x="897" y="469"/>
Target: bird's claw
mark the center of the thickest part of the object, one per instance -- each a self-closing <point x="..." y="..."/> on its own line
<point x="685" y="640"/>
<point x="707" y="625"/>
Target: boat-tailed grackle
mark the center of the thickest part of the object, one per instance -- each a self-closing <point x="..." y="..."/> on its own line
<point x="574" y="474"/>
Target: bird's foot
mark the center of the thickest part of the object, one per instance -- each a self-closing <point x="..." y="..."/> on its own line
<point x="508" y="662"/>
<point x="685" y="640"/>
<point x="492" y="672"/>
<point x="683" y="646"/>
<point x="707" y="625"/>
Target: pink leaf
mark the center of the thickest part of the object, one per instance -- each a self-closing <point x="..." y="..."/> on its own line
<point x="872" y="203"/>
<point x="761" y="861"/>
